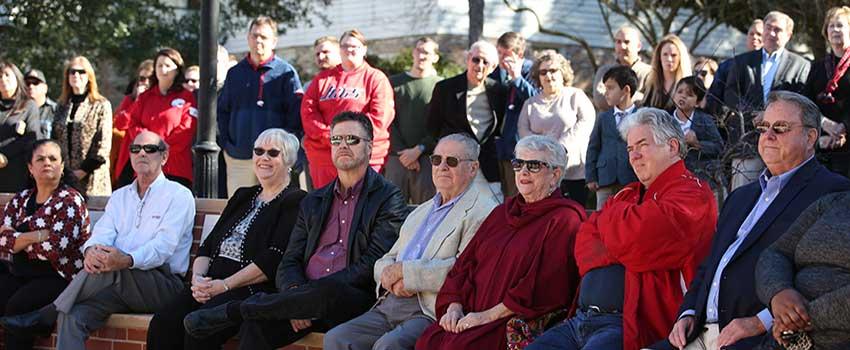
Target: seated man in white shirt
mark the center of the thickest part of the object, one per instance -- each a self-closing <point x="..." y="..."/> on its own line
<point x="135" y="257"/>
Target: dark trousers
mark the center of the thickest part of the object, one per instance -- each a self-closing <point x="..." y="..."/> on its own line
<point x="166" y="328"/>
<point x="20" y="295"/>
<point x="325" y="302"/>
<point x="575" y="190"/>
<point x="587" y="330"/>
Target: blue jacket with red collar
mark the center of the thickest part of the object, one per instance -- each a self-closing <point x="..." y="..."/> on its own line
<point x="256" y="97"/>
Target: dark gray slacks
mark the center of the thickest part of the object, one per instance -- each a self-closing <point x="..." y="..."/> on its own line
<point x="325" y="302"/>
<point x="89" y="300"/>
<point x="394" y="324"/>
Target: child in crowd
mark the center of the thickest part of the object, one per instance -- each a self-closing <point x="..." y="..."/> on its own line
<point x="701" y="135"/>
<point x="607" y="167"/>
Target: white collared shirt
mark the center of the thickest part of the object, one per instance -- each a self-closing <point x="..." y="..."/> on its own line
<point x="620" y="114"/>
<point x="685" y="125"/>
<point x="155" y="229"/>
<point x="769" y="66"/>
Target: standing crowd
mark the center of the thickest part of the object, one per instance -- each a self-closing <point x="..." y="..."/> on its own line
<point x="499" y="161"/>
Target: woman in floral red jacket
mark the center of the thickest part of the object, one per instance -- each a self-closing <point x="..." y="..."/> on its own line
<point x="43" y="228"/>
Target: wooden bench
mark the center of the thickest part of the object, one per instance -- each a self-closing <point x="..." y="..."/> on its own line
<point x="129" y="331"/>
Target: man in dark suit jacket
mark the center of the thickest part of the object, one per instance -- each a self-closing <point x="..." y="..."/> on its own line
<point x="514" y="74"/>
<point x="474" y="104"/>
<point x="721" y="306"/>
<point x="325" y="275"/>
<point x="751" y="78"/>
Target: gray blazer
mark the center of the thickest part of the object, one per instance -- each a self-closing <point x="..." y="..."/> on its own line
<point x="427" y="274"/>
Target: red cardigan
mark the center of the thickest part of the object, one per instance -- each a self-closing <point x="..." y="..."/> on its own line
<point x="334" y="90"/>
<point x="660" y="240"/>
<point x="173" y="117"/>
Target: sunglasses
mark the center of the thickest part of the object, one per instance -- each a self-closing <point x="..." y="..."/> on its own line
<point x="533" y="166"/>
<point x="144" y="78"/>
<point x="73" y="71"/>
<point x="452" y="162"/>
<point x="192" y="80"/>
<point x="702" y="73"/>
<point x="479" y="60"/>
<point x="350" y="140"/>
<point x="544" y="72"/>
<point x="151" y="148"/>
<point x="779" y="127"/>
<point x="273" y="153"/>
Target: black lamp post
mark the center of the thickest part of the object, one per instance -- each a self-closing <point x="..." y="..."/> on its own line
<point x="206" y="150"/>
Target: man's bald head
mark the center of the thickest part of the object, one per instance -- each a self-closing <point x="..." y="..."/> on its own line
<point x="148" y="153"/>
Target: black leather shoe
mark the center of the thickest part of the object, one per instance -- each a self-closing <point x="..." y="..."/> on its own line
<point x="205" y="322"/>
<point x="32" y="323"/>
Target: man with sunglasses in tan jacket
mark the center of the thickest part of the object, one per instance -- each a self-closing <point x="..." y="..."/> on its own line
<point x="431" y="239"/>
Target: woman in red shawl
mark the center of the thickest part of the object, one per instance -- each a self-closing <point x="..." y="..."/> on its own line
<point x="519" y="263"/>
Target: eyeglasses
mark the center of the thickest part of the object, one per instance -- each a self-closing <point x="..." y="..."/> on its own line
<point x="144" y="78"/>
<point x="273" y="153"/>
<point x="533" y="166"/>
<point x="779" y="127"/>
<point x="72" y="71"/>
<point x="452" y="162"/>
<point x="479" y="60"/>
<point x="192" y="80"/>
<point x="549" y="71"/>
<point x="350" y="140"/>
<point x="150" y="148"/>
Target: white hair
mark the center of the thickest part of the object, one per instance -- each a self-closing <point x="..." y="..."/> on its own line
<point x="486" y="49"/>
<point x="661" y="124"/>
<point x="471" y="148"/>
<point x="287" y="142"/>
<point x="554" y="153"/>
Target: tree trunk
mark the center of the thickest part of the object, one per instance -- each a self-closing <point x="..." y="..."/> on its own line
<point x="476" y="20"/>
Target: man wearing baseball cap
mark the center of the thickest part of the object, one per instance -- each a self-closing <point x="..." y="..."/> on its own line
<point x="37" y="90"/>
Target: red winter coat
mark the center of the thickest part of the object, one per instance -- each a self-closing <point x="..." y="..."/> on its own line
<point x="660" y="240"/>
<point x="173" y="117"/>
<point x="334" y="90"/>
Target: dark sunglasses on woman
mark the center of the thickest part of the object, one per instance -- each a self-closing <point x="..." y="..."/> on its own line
<point x="351" y="140"/>
<point x="150" y="148"/>
<point x="273" y="153"/>
<point x="533" y="166"/>
<point x="452" y="162"/>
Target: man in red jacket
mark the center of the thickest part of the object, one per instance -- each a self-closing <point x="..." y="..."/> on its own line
<point x="353" y="86"/>
<point x="638" y="253"/>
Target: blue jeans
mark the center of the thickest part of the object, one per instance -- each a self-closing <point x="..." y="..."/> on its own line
<point x="587" y="330"/>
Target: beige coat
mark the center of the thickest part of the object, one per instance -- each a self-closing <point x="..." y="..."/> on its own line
<point x="91" y="139"/>
<point x="427" y="274"/>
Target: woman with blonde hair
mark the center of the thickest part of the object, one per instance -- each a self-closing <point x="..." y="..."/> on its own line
<point x="828" y="86"/>
<point x="670" y="62"/>
<point x="83" y="127"/>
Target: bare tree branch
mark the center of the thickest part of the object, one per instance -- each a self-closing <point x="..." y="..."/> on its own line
<point x="540" y="28"/>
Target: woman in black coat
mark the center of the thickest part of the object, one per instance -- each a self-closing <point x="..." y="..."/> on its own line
<point x="829" y="87"/>
<point x="20" y="126"/>
<point x="240" y="256"/>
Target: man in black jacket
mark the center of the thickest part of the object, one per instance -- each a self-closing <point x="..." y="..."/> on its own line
<point x="325" y="275"/>
<point x="474" y="104"/>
